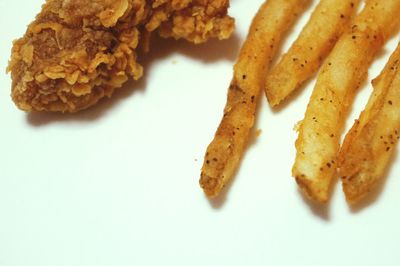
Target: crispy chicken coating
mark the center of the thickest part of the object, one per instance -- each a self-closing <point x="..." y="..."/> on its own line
<point x="79" y="51"/>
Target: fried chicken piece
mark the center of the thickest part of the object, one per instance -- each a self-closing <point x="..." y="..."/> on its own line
<point x="79" y="51"/>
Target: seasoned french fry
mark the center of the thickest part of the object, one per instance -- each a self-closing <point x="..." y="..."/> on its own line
<point x="342" y="73"/>
<point x="223" y="154"/>
<point x="328" y="21"/>
<point x="370" y="143"/>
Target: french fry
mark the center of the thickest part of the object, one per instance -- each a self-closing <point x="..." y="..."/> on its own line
<point x="222" y="158"/>
<point x="328" y="21"/>
<point x="342" y="73"/>
<point x="369" y="145"/>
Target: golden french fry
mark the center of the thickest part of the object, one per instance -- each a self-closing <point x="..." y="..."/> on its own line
<point x="223" y="154"/>
<point x="328" y="21"/>
<point x="342" y="73"/>
<point x="369" y="145"/>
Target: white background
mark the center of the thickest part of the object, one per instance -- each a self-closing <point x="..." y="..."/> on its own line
<point x="118" y="184"/>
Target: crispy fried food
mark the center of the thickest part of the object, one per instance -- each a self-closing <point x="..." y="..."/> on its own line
<point x="341" y="75"/>
<point x="78" y="51"/>
<point x="328" y="21"/>
<point x="223" y="154"/>
<point x="369" y="145"/>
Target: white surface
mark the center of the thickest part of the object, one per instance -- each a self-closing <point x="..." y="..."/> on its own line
<point x="118" y="184"/>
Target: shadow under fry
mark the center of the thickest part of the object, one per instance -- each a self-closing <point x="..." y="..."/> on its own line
<point x="218" y="202"/>
<point x="208" y="53"/>
<point x="321" y="210"/>
<point x="318" y="209"/>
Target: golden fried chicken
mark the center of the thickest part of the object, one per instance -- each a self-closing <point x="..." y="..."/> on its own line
<point x="78" y="51"/>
